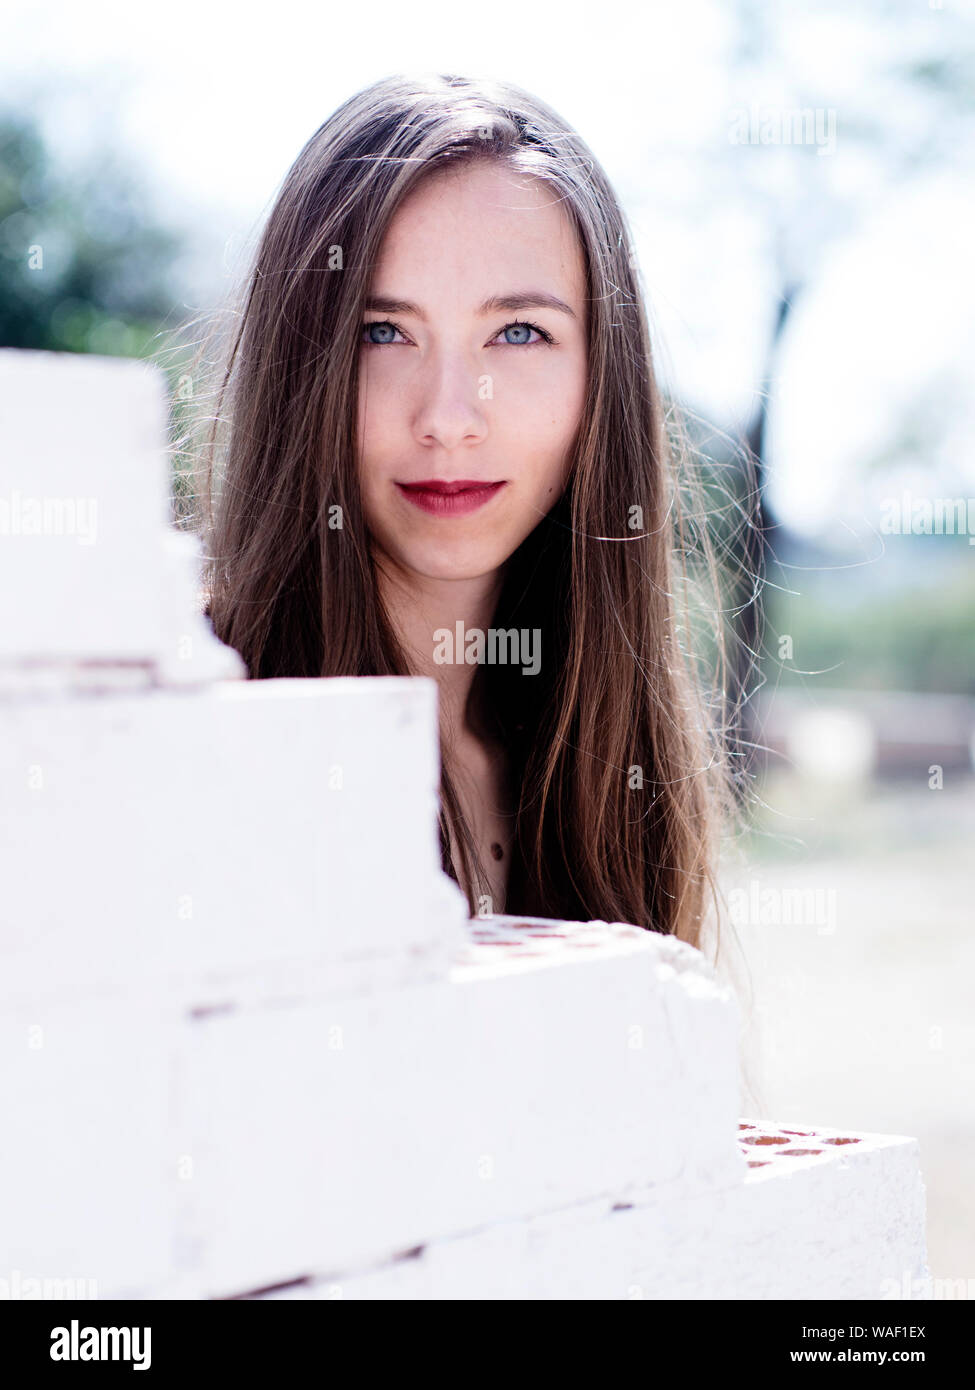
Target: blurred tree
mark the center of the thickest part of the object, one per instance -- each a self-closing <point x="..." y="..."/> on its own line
<point x="84" y="265"/>
<point x="906" y="103"/>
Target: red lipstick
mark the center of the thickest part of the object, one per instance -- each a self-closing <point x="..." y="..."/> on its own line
<point x="457" y="498"/>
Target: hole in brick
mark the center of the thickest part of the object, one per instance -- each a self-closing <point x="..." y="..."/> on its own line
<point x="743" y="1126"/>
<point x="805" y="1133"/>
<point x="206" y="1010"/>
<point x="839" y="1140"/>
<point x="802" y="1153"/>
<point x="267" y="1288"/>
<point x="758" y="1162"/>
<point x="764" y="1139"/>
<point x="413" y="1254"/>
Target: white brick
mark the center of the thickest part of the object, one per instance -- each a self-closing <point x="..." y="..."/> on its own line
<point x="107" y="578"/>
<point x="824" y="1229"/>
<point x="198" y="840"/>
<point x="337" y="1133"/>
<point x="88" y="1172"/>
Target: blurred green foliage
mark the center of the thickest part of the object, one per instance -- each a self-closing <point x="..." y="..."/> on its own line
<point x="914" y="635"/>
<point x="84" y="266"/>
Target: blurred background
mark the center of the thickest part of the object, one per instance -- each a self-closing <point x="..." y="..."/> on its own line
<point x="799" y="180"/>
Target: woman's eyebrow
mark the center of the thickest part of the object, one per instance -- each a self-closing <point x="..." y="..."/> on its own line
<point x="523" y="299"/>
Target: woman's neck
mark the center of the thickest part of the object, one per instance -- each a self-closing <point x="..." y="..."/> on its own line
<point x="418" y="607"/>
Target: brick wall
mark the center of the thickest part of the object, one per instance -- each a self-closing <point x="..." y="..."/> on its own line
<point x="251" y="1043"/>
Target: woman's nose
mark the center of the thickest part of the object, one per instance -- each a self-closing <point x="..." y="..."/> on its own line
<point x="450" y="400"/>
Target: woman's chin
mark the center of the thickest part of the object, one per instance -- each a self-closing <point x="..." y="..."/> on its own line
<point x="454" y="562"/>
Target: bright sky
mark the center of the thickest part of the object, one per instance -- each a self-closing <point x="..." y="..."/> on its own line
<point x="214" y="102"/>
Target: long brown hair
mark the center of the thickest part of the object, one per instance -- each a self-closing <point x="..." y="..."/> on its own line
<point x="615" y="746"/>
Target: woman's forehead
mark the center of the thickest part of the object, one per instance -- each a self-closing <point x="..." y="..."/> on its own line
<point x="497" y="230"/>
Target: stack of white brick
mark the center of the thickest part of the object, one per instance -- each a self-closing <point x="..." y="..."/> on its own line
<point x="251" y="1043"/>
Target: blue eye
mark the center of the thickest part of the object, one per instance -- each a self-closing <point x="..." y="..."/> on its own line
<point x="387" y="329"/>
<point x="526" y="328"/>
<point x="369" y="340"/>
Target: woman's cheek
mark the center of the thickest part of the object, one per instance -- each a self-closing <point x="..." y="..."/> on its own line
<point x="538" y="421"/>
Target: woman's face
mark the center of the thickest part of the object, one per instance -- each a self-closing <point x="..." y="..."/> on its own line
<point x="457" y="389"/>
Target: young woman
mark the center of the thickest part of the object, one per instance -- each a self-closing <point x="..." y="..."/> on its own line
<point x="446" y="456"/>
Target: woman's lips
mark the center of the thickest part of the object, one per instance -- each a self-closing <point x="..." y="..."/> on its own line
<point x="449" y="499"/>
